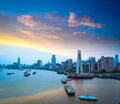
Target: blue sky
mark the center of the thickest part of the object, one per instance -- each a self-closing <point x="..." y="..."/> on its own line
<point x="61" y="27"/>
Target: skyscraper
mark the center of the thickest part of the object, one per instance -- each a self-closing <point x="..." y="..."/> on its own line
<point x="91" y="64"/>
<point x="39" y="63"/>
<point x="18" y="62"/>
<point x="79" y="63"/>
<point x="105" y="63"/>
<point x="53" y="60"/>
<point x="116" y="60"/>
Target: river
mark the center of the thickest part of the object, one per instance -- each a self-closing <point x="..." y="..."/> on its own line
<point x="45" y="87"/>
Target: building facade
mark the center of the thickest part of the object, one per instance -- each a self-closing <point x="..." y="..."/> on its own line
<point x="116" y="60"/>
<point x="106" y="63"/>
<point x="18" y="63"/>
<point x="53" y="60"/>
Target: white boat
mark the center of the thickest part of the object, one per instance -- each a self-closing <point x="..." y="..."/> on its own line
<point x="27" y="74"/>
<point x="88" y="97"/>
<point x="63" y="80"/>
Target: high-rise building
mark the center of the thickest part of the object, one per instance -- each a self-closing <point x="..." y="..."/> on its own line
<point x="79" y="68"/>
<point x="18" y="63"/>
<point x="105" y="63"/>
<point x="69" y="63"/>
<point x="91" y="64"/>
<point x="53" y="60"/>
<point x="39" y="63"/>
<point x="116" y="60"/>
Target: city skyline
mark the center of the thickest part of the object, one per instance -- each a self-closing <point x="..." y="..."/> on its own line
<point x="53" y="60"/>
<point x="37" y="29"/>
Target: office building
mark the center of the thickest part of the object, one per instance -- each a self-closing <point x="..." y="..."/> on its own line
<point x="53" y="60"/>
<point x="116" y="60"/>
<point x="79" y="68"/>
<point x="18" y="63"/>
<point x="105" y="63"/>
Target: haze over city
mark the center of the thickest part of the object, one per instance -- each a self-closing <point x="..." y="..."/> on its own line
<point x="36" y="29"/>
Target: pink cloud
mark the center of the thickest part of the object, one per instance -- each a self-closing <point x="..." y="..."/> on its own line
<point x="27" y="20"/>
<point x="28" y="33"/>
<point x="79" y="32"/>
<point x="84" y="20"/>
<point x="50" y="36"/>
<point x="40" y="35"/>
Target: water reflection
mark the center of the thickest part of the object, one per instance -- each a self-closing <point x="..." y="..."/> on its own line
<point x="46" y="88"/>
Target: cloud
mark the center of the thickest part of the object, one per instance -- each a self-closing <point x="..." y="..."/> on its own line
<point x="27" y="20"/>
<point x="40" y="35"/>
<point x="54" y="16"/>
<point x="28" y="33"/>
<point x="83" y="21"/>
<point x="79" y="32"/>
<point x="39" y="28"/>
<point x="50" y="36"/>
<point x="35" y="24"/>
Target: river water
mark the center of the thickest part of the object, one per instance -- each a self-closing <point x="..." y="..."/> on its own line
<point x="45" y="87"/>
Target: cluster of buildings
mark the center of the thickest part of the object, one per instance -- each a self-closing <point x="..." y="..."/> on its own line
<point x="106" y="64"/>
<point x="91" y="65"/>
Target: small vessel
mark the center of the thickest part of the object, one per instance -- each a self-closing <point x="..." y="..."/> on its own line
<point x="10" y="73"/>
<point x="59" y="72"/>
<point x="81" y="76"/>
<point x="88" y="97"/>
<point x="63" y="80"/>
<point x="70" y="90"/>
<point x="34" y="72"/>
<point x="27" y="74"/>
<point x="68" y="79"/>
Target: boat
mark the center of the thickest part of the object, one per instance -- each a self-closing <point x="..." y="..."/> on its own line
<point x="63" y="80"/>
<point x="81" y="76"/>
<point x="59" y="72"/>
<point x="34" y="72"/>
<point x="27" y="74"/>
<point x="10" y="73"/>
<point x="88" y="97"/>
<point x="68" y="79"/>
<point x="70" y="90"/>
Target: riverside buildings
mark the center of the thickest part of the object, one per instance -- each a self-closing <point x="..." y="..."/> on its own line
<point x="106" y="63"/>
<point x="87" y="66"/>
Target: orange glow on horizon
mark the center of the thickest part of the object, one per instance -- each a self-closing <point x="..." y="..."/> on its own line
<point x="15" y="41"/>
<point x="26" y="42"/>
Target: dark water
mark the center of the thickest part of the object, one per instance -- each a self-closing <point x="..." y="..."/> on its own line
<point x="16" y="85"/>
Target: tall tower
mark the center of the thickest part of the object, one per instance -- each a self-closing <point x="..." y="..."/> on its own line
<point x="116" y="60"/>
<point x="18" y="62"/>
<point x="53" y="60"/>
<point x="79" y="63"/>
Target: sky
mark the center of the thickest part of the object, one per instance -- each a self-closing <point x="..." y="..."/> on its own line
<point x="37" y="29"/>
